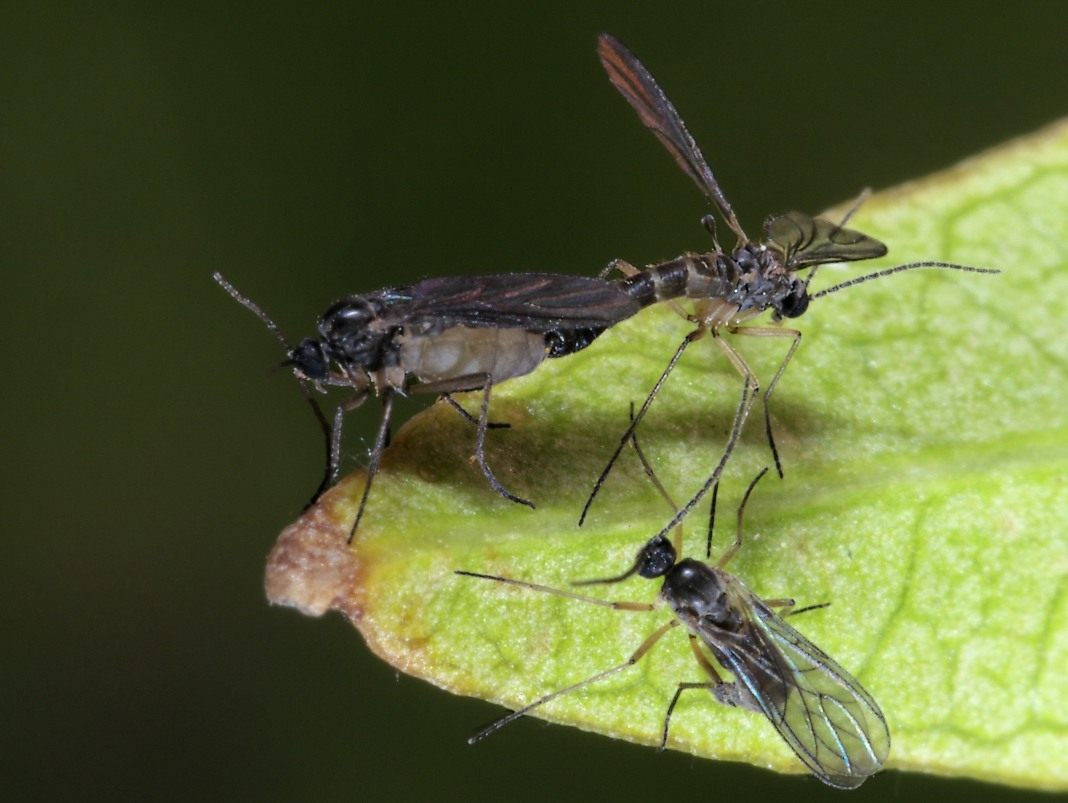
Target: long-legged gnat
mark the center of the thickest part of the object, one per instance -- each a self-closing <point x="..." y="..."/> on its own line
<point x="821" y="711"/>
<point x="731" y="287"/>
<point x="443" y="336"/>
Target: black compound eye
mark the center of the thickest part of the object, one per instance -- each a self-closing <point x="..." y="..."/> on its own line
<point x="656" y="558"/>
<point x="795" y="305"/>
<point x="309" y="360"/>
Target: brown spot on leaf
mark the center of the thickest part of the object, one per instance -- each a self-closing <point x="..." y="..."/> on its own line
<point x="311" y="567"/>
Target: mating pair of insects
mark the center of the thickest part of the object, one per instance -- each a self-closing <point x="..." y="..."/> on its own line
<point x="448" y="335"/>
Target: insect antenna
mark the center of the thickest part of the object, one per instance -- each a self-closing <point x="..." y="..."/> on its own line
<point x="733" y="548"/>
<point x="899" y="269"/>
<point x="252" y="307"/>
<point x="634" y="658"/>
<point x="317" y="411"/>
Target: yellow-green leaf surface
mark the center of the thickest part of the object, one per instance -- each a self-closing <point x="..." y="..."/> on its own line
<point x="923" y="426"/>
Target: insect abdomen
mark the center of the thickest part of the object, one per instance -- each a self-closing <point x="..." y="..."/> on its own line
<point x="690" y="276"/>
<point x="462" y="351"/>
<point x="561" y="342"/>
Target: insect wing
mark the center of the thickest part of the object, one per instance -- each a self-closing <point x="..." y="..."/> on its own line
<point x="637" y="85"/>
<point x="539" y="302"/>
<point x="831" y="723"/>
<point x="805" y="241"/>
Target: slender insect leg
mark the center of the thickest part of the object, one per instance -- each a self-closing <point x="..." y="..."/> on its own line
<point x="332" y="434"/>
<point x="471" y="382"/>
<point x="772" y="331"/>
<point x="787" y="602"/>
<point x="471" y="419"/>
<point x="745" y="403"/>
<point x="711" y="520"/>
<point x="376" y="454"/>
<point x="807" y="608"/>
<point x="675" y="700"/>
<point x="656" y="481"/>
<point x="335" y="433"/>
<point x="480" y="449"/>
<point x="646" y="645"/>
<point x="734" y="547"/>
<point x="692" y="337"/>
<point x="330" y="471"/>
<point x="716" y="683"/>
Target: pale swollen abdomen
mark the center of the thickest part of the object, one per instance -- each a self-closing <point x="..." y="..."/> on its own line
<point x="461" y="351"/>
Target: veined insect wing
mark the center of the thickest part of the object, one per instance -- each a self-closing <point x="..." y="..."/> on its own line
<point x="637" y="85"/>
<point x="805" y="241"/>
<point x="822" y="712"/>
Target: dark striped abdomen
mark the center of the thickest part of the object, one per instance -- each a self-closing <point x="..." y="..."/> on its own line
<point x="689" y="276"/>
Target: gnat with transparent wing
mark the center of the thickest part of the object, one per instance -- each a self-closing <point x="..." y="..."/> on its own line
<point x="442" y="336"/>
<point x="821" y="711"/>
<point x="730" y="287"/>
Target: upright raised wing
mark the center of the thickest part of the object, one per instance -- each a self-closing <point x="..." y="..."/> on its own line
<point x="806" y="241"/>
<point x="828" y="719"/>
<point x="539" y="302"/>
<point x="637" y="85"/>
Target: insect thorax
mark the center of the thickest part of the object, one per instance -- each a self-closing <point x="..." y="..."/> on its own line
<point x="357" y="334"/>
<point x="763" y="281"/>
<point x="697" y="593"/>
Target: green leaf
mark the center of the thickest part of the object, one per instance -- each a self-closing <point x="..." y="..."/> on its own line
<point x="923" y="426"/>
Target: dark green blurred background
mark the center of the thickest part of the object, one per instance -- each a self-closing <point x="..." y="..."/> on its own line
<point x="152" y="456"/>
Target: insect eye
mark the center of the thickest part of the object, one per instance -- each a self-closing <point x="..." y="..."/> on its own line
<point x="795" y="305"/>
<point x="308" y="359"/>
<point x="656" y="558"/>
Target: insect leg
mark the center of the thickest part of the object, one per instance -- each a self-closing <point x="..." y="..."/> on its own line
<point x="376" y="453"/>
<point x="333" y="439"/>
<point x="772" y="331"/>
<point x="724" y="692"/>
<point x="740" y="414"/>
<point x="711" y="520"/>
<point x="645" y="646"/>
<point x="480" y="448"/>
<point x="692" y="337"/>
<point x="470" y="419"/>
<point x="789" y="603"/>
<point x="656" y="481"/>
<point x="675" y="700"/>
<point x="472" y="382"/>
<point x="330" y="470"/>
<point x="750" y="387"/>
<point x="733" y="548"/>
